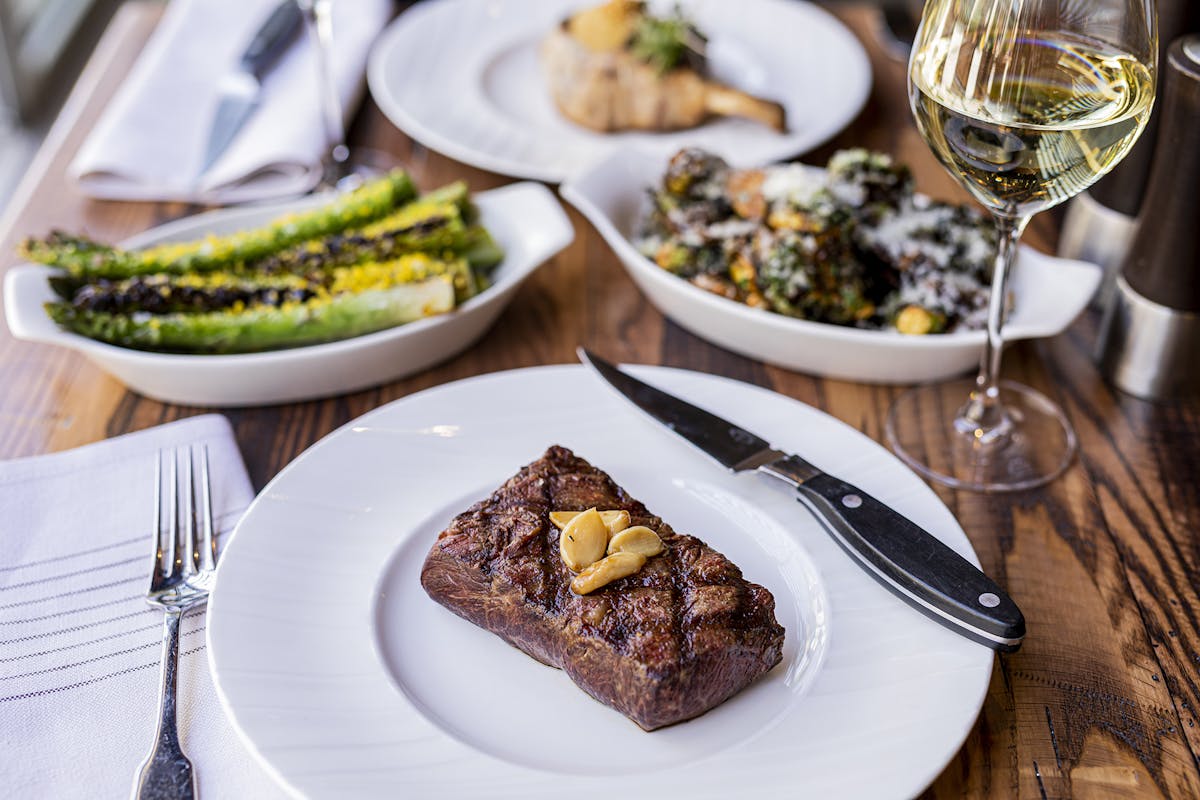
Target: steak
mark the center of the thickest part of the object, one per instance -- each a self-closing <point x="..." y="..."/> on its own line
<point x="668" y="643"/>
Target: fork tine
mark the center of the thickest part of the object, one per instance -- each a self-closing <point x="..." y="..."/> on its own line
<point x="187" y="535"/>
<point x="157" y="575"/>
<point x="208" y="549"/>
<point x="173" y="521"/>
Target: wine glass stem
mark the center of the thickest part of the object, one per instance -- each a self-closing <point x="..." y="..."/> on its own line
<point x="319" y="22"/>
<point x="983" y="416"/>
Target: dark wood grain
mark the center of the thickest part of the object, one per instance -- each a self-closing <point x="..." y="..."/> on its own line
<point x="1100" y="702"/>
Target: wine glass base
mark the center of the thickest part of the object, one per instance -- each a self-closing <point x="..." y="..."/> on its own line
<point x="1037" y="447"/>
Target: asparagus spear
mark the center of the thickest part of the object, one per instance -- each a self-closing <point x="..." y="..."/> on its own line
<point x="418" y="227"/>
<point x="480" y="250"/>
<point x="210" y="291"/>
<point x="320" y="319"/>
<point x="411" y="268"/>
<point x="214" y="291"/>
<point x="219" y="313"/>
<point x="82" y="257"/>
<point x="436" y="223"/>
<point x="458" y="194"/>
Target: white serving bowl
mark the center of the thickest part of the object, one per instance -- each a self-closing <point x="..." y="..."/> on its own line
<point x="525" y="219"/>
<point x="1048" y="294"/>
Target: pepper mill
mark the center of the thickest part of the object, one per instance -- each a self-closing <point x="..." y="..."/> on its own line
<point x="1150" y="341"/>
<point x="1099" y="224"/>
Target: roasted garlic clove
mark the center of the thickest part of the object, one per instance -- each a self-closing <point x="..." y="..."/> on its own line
<point x="607" y="570"/>
<point x="638" y="539"/>
<point x="583" y="540"/>
<point x="615" y="521"/>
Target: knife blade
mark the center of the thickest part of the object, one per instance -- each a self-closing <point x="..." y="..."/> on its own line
<point x="905" y="558"/>
<point x="239" y="90"/>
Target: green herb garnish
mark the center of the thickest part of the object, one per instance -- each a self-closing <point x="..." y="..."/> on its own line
<point x="667" y="43"/>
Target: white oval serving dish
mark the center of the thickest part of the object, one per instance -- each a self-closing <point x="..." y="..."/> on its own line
<point x="525" y="219"/>
<point x="1048" y="294"/>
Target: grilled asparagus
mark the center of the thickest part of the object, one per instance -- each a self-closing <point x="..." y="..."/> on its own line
<point x="435" y="223"/>
<point x="225" y="315"/>
<point x="264" y="327"/>
<point x="368" y="261"/>
<point x="83" y="258"/>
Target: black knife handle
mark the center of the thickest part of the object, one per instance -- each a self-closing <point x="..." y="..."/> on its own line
<point x="272" y="38"/>
<point x="914" y="564"/>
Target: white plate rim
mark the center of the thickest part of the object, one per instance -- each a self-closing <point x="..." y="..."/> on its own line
<point x="980" y="656"/>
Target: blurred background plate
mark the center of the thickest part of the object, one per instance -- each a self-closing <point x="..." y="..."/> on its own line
<point x="525" y="219"/>
<point x="492" y="108"/>
<point x="1048" y="294"/>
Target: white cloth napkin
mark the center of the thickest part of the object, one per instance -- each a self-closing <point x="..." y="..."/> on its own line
<point x="79" y="647"/>
<point x="150" y="142"/>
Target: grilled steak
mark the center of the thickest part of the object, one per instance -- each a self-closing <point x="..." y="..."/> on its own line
<point x="663" y="645"/>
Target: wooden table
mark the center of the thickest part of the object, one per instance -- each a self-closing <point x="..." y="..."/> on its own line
<point x="1105" y="562"/>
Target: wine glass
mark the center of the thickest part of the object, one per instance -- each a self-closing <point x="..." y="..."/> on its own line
<point x="1026" y="103"/>
<point x="341" y="168"/>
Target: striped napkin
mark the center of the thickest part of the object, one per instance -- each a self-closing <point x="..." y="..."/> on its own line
<point x="79" y="647"/>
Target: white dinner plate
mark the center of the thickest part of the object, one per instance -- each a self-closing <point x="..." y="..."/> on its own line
<point x="346" y="680"/>
<point x="1048" y="294"/>
<point x="492" y="108"/>
<point x="525" y="219"/>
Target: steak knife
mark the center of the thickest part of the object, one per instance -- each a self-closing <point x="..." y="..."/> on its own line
<point x="893" y="549"/>
<point x="240" y="89"/>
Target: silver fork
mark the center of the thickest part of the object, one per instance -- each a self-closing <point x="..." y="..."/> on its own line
<point x="185" y="561"/>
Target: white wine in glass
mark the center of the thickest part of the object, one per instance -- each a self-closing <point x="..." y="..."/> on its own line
<point x="1026" y="103"/>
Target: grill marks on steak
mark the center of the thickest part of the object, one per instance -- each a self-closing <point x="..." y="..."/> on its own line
<point x="662" y="645"/>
